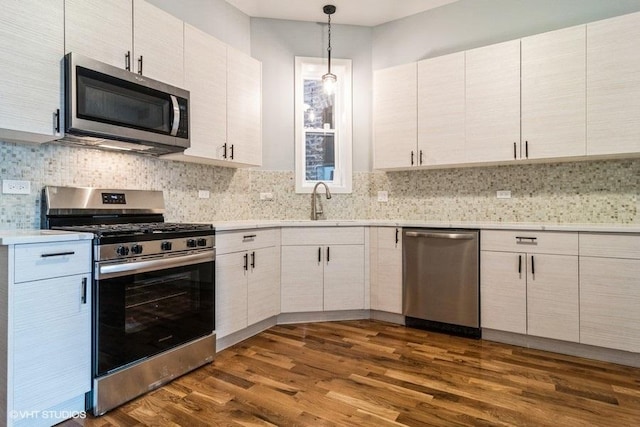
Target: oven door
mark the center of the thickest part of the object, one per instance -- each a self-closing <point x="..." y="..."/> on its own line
<point x="143" y="308"/>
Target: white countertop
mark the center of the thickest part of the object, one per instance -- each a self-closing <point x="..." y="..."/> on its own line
<point x="14" y="237"/>
<point x="252" y="224"/>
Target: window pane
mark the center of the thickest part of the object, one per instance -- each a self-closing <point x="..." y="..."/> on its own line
<point x="319" y="156"/>
<point x="318" y="106"/>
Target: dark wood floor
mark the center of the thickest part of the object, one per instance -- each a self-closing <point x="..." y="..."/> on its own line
<point x="378" y="374"/>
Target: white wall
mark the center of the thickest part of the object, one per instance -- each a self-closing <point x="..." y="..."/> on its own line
<point x="467" y="24"/>
<point x="276" y="43"/>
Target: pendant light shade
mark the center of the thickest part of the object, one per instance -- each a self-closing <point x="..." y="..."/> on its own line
<point x="329" y="80"/>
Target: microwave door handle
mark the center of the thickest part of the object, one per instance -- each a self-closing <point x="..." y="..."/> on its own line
<point x="176" y="115"/>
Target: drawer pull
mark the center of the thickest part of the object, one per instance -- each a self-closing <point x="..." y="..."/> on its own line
<point x="527" y="240"/>
<point x="58" y="254"/>
<point x="249" y="237"/>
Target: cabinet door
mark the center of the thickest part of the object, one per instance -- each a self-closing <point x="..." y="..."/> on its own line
<point x="503" y="291"/>
<point x="344" y="277"/>
<point x="264" y="284"/>
<point x="613" y="85"/>
<point x="205" y="77"/>
<point x="30" y="53"/>
<point x="99" y="29"/>
<point x="441" y="110"/>
<point x="554" y="94"/>
<point x="302" y="278"/>
<point x="388" y="292"/>
<point x="552" y="297"/>
<point x="395" y="116"/>
<point x="609" y="301"/>
<point x="231" y="293"/>
<point x="158" y="39"/>
<point x="493" y="102"/>
<point x="244" y="108"/>
<point x="51" y="342"/>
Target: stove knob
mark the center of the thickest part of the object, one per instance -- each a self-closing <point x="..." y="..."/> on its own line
<point x="165" y="246"/>
<point x="136" y="249"/>
<point x="191" y="243"/>
<point x="122" y="250"/>
<point x="202" y="242"/>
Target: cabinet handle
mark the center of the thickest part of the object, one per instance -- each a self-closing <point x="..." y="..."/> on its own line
<point x="319" y="255"/>
<point x="420" y="156"/>
<point x="84" y="290"/>
<point x="57" y="254"/>
<point x="328" y="255"/>
<point x="253" y="260"/>
<point x="526" y="149"/>
<point x="127" y="61"/>
<point x="515" y="156"/>
<point x="397" y="235"/>
<point x="140" y="65"/>
<point x="224" y="151"/>
<point x="232" y="145"/>
<point x="246" y="262"/>
<point x="533" y="267"/>
<point x="249" y="237"/>
<point x="519" y="264"/>
<point x="56" y="115"/>
<point x="411" y="157"/>
<point x="526" y="240"/>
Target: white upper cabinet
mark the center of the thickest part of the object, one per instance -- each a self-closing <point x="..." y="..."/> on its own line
<point x="395" y="129"/>
<point x="31" y="49"/>
<point x="493" y="103"/>
<point x="158" y="44"/>
<point x="244" y="109"/>
<point x="133" y="35"/>
<point x="553" y="94"/>
<point x="205" y="77"/>
<point x="613" y="86"/>
<point x="100" y="29"/>
<point x="441" y="110"/>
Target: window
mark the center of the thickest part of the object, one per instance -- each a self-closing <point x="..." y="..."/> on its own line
<point x="323" y="126"/>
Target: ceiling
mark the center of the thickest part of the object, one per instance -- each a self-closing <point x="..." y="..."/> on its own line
<point x="353" y="12"/>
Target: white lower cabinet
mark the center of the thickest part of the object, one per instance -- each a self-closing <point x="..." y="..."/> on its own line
<point x="247" y="278"/>
<point x="323" y="269"/>
<point x="529" y="283"/>
<point x="610" y="291"/>
<point x="46" y="345"/>
<point x="386" y="269"/>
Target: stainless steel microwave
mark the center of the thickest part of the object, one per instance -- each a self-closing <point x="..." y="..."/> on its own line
<point x="112" y="108"/>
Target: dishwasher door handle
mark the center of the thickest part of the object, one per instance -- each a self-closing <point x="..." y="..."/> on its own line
<point x="455" y="236"/>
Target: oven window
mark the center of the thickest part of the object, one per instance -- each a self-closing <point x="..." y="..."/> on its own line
<point x="144" y="314"/>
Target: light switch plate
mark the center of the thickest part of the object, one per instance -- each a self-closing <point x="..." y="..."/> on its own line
<point x="383" y="196"/>
<point x="12" y="186"/>
<point x="203" y="194"/>
<point x="503" y="194"/>
<point x="266" y="196"/>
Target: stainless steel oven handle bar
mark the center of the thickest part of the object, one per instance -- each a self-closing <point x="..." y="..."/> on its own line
<point x="128" y="268"/>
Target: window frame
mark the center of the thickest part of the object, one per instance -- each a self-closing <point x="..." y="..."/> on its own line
<point x="306" y="67"/>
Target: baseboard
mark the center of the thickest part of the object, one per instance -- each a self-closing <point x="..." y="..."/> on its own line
<point x="243" y="334"/>
<point x="385" y="316"/>
<point x="322" y="316"/>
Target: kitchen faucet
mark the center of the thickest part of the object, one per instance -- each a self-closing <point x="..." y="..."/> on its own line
<point x="315" y="211"/>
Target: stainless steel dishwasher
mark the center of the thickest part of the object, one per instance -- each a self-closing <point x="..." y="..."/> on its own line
<point x="440" y="273"/>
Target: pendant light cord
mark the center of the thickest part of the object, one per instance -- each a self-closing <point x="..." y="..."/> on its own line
<point x="329" y="47"/>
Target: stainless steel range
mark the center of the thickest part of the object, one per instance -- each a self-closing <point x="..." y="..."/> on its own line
<point x="153" y="287"/>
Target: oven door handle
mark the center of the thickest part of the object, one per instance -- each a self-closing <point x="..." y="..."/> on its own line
<point x="116" y="270"/>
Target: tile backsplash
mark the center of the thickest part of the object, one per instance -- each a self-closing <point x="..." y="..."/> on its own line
<point x="576" y="192"/>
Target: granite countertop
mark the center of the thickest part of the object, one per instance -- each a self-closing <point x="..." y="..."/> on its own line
<point x="252" y="224"/>
<point x="14" y="237"/>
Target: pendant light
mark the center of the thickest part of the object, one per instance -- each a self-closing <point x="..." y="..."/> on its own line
<point x="329" y="79"/>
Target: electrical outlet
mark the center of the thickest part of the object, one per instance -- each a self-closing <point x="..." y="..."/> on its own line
<point x="503" y="194"/>
<point x="203" y="194"/>
<point x="383" y="196"/>
<point x="266" y="196"/>
<point x="12" y="186"/>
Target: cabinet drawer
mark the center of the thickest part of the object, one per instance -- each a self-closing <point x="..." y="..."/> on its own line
<point x="610" y="245"/>
<point x="246" y="240"/>
<point x="323" y="236"/>
<point x="46" y="260"/>
<point x="533" y="242"/>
